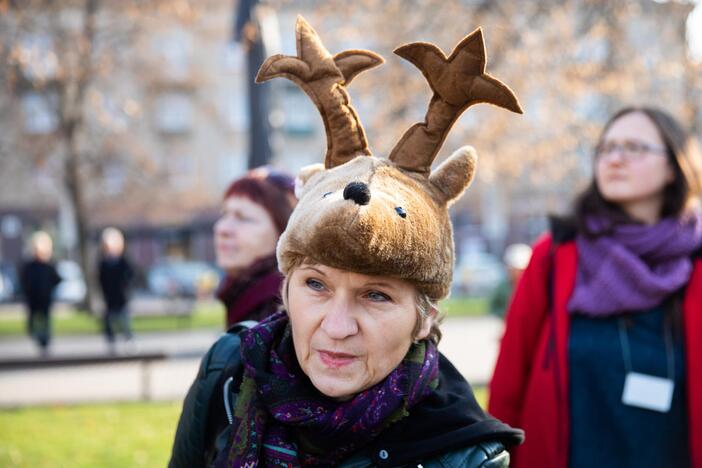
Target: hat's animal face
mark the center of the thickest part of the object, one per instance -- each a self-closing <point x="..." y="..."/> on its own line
<point x="372" y="217"/>
<point x="386" y="217"/>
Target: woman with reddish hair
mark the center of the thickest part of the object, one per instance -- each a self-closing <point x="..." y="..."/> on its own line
<point x="255" y="211"/>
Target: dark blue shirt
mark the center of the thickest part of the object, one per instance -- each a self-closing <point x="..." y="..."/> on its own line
<point x="604" y="432"/>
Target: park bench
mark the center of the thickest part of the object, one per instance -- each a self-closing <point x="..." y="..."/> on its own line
<point x="143" y="359"/>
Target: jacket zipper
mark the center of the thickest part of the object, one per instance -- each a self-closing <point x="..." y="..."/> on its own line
<point x="227" y="403"/>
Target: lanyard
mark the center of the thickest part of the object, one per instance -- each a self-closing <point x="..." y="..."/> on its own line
<point x="668" y="337"/>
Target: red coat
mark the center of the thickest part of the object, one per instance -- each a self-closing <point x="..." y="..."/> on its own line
<point x="529" y="388"/>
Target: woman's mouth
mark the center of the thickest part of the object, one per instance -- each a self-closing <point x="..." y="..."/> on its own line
<point x="225" y="248"/>
<point x="615" y="176"/>
<point x="335" y="360"/>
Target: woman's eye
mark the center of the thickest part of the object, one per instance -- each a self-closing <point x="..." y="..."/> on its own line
<point x="314" y="284"/>
<point x="376" y="296"/>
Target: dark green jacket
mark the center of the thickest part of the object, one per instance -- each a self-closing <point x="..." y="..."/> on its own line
<point x="203" y="429"/>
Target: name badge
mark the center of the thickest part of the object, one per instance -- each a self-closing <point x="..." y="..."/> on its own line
<point x="648" y="392"/>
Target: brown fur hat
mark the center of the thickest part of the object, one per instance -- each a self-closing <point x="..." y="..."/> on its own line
<point x="377" y="216"/>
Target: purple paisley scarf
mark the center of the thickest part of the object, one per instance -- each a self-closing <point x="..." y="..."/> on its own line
<point x="633" y="267"/>
<point x="280" y="419"/>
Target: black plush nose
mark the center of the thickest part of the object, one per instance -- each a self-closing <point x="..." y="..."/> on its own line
<point x="358" y="192"/>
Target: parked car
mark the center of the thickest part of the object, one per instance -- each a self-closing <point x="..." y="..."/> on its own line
<point x="478" y="274"/>
<point x="72" y="287"/>
<point x="9" y="283"/>
<point x="182" y="278"/>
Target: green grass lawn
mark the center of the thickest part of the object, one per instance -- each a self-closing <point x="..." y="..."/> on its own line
<point x="116" y="435"/>
<point x="205" y="315"/>
<point x="464" y="306"/>
<point x="106" y="435"/>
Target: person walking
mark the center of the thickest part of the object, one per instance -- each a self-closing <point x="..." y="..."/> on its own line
<point x="600" y="362"/>
<point x="38" y="279"/>
<point x="115" y="274"/>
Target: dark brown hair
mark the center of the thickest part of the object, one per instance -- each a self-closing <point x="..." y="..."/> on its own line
<point x="684" y="157"/>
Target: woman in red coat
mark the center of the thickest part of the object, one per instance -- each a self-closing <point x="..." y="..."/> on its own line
<point x="601" y="361"/>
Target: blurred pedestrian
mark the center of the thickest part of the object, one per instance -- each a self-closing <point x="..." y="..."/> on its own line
<point x="255" y="211"/>
<point x="39" y="279"/>
<point x="115" y="274"/>
<point x="601" y="361"/>
<point x="516" y="258"/>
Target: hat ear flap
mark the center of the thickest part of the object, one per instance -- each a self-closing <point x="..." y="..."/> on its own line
<point x="454" y="175"/>
<point x="303" y="177"/>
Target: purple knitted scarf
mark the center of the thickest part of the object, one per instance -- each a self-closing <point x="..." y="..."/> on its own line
<point x="633" y="267"/>
<point x="280" y="419"/>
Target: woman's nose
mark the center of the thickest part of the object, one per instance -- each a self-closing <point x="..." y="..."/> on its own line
<point x="224" y="227"/>
<point x="339" y="323"/>
<point x="616" y="156"/>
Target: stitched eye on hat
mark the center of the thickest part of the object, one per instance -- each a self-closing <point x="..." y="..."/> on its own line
<point x="401" y="211"/>
<point x="327" y="194"/>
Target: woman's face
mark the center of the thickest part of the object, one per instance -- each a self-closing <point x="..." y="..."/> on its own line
<point x="350" y="330"/>
<point x="633" y="170"/>
<point x="244" y="233"/>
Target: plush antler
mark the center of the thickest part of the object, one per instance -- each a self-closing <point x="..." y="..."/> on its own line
<point x="458" y="82"/>
<point x="323" y="78"/>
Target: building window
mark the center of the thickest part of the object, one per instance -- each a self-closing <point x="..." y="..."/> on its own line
<point x="300" y="113"/>
<point x="232" y="164"/>
<point x="39" y="113"/>
<point x="37" y="58"/>
<point x="175" y="49"/>
<point x="234" y="106"/>
<point x="174" y="112"/>
<point x="181" y="168"/>
<point x="114" y="177"/>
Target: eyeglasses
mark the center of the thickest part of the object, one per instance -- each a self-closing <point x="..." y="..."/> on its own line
<point x="630" y="150"/>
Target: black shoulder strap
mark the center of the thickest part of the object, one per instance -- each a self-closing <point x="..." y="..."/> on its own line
<point x="563" y="228"/>
<point x="194" y="440"/>
<point x="550" y="303"/>
<point x="223" y="393"/>
<point x="551" y="357"/>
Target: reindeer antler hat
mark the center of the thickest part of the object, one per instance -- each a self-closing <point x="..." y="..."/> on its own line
<point x="378" y="216"/>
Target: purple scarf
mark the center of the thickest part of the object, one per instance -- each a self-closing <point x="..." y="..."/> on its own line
<point x="633" y="267"/>
<point x="280" y="419"/>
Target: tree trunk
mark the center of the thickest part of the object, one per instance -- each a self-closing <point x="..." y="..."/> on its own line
<point x="72" y="109"/>
<point x="73" y="185"/>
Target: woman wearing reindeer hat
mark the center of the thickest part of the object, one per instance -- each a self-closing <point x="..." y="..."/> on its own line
<point x="350" y="375"/>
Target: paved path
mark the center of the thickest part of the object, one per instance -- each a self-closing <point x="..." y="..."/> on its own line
<point x="470" y="343"/>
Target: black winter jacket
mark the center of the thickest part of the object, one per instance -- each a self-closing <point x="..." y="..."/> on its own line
<point x="447" y="429"/>
<point x="39" y="280"/>
<point x="115" y="275"/>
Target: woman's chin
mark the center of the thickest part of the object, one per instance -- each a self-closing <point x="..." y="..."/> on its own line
<point x="335" y="388"/>
<point x="230" y="266"/>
